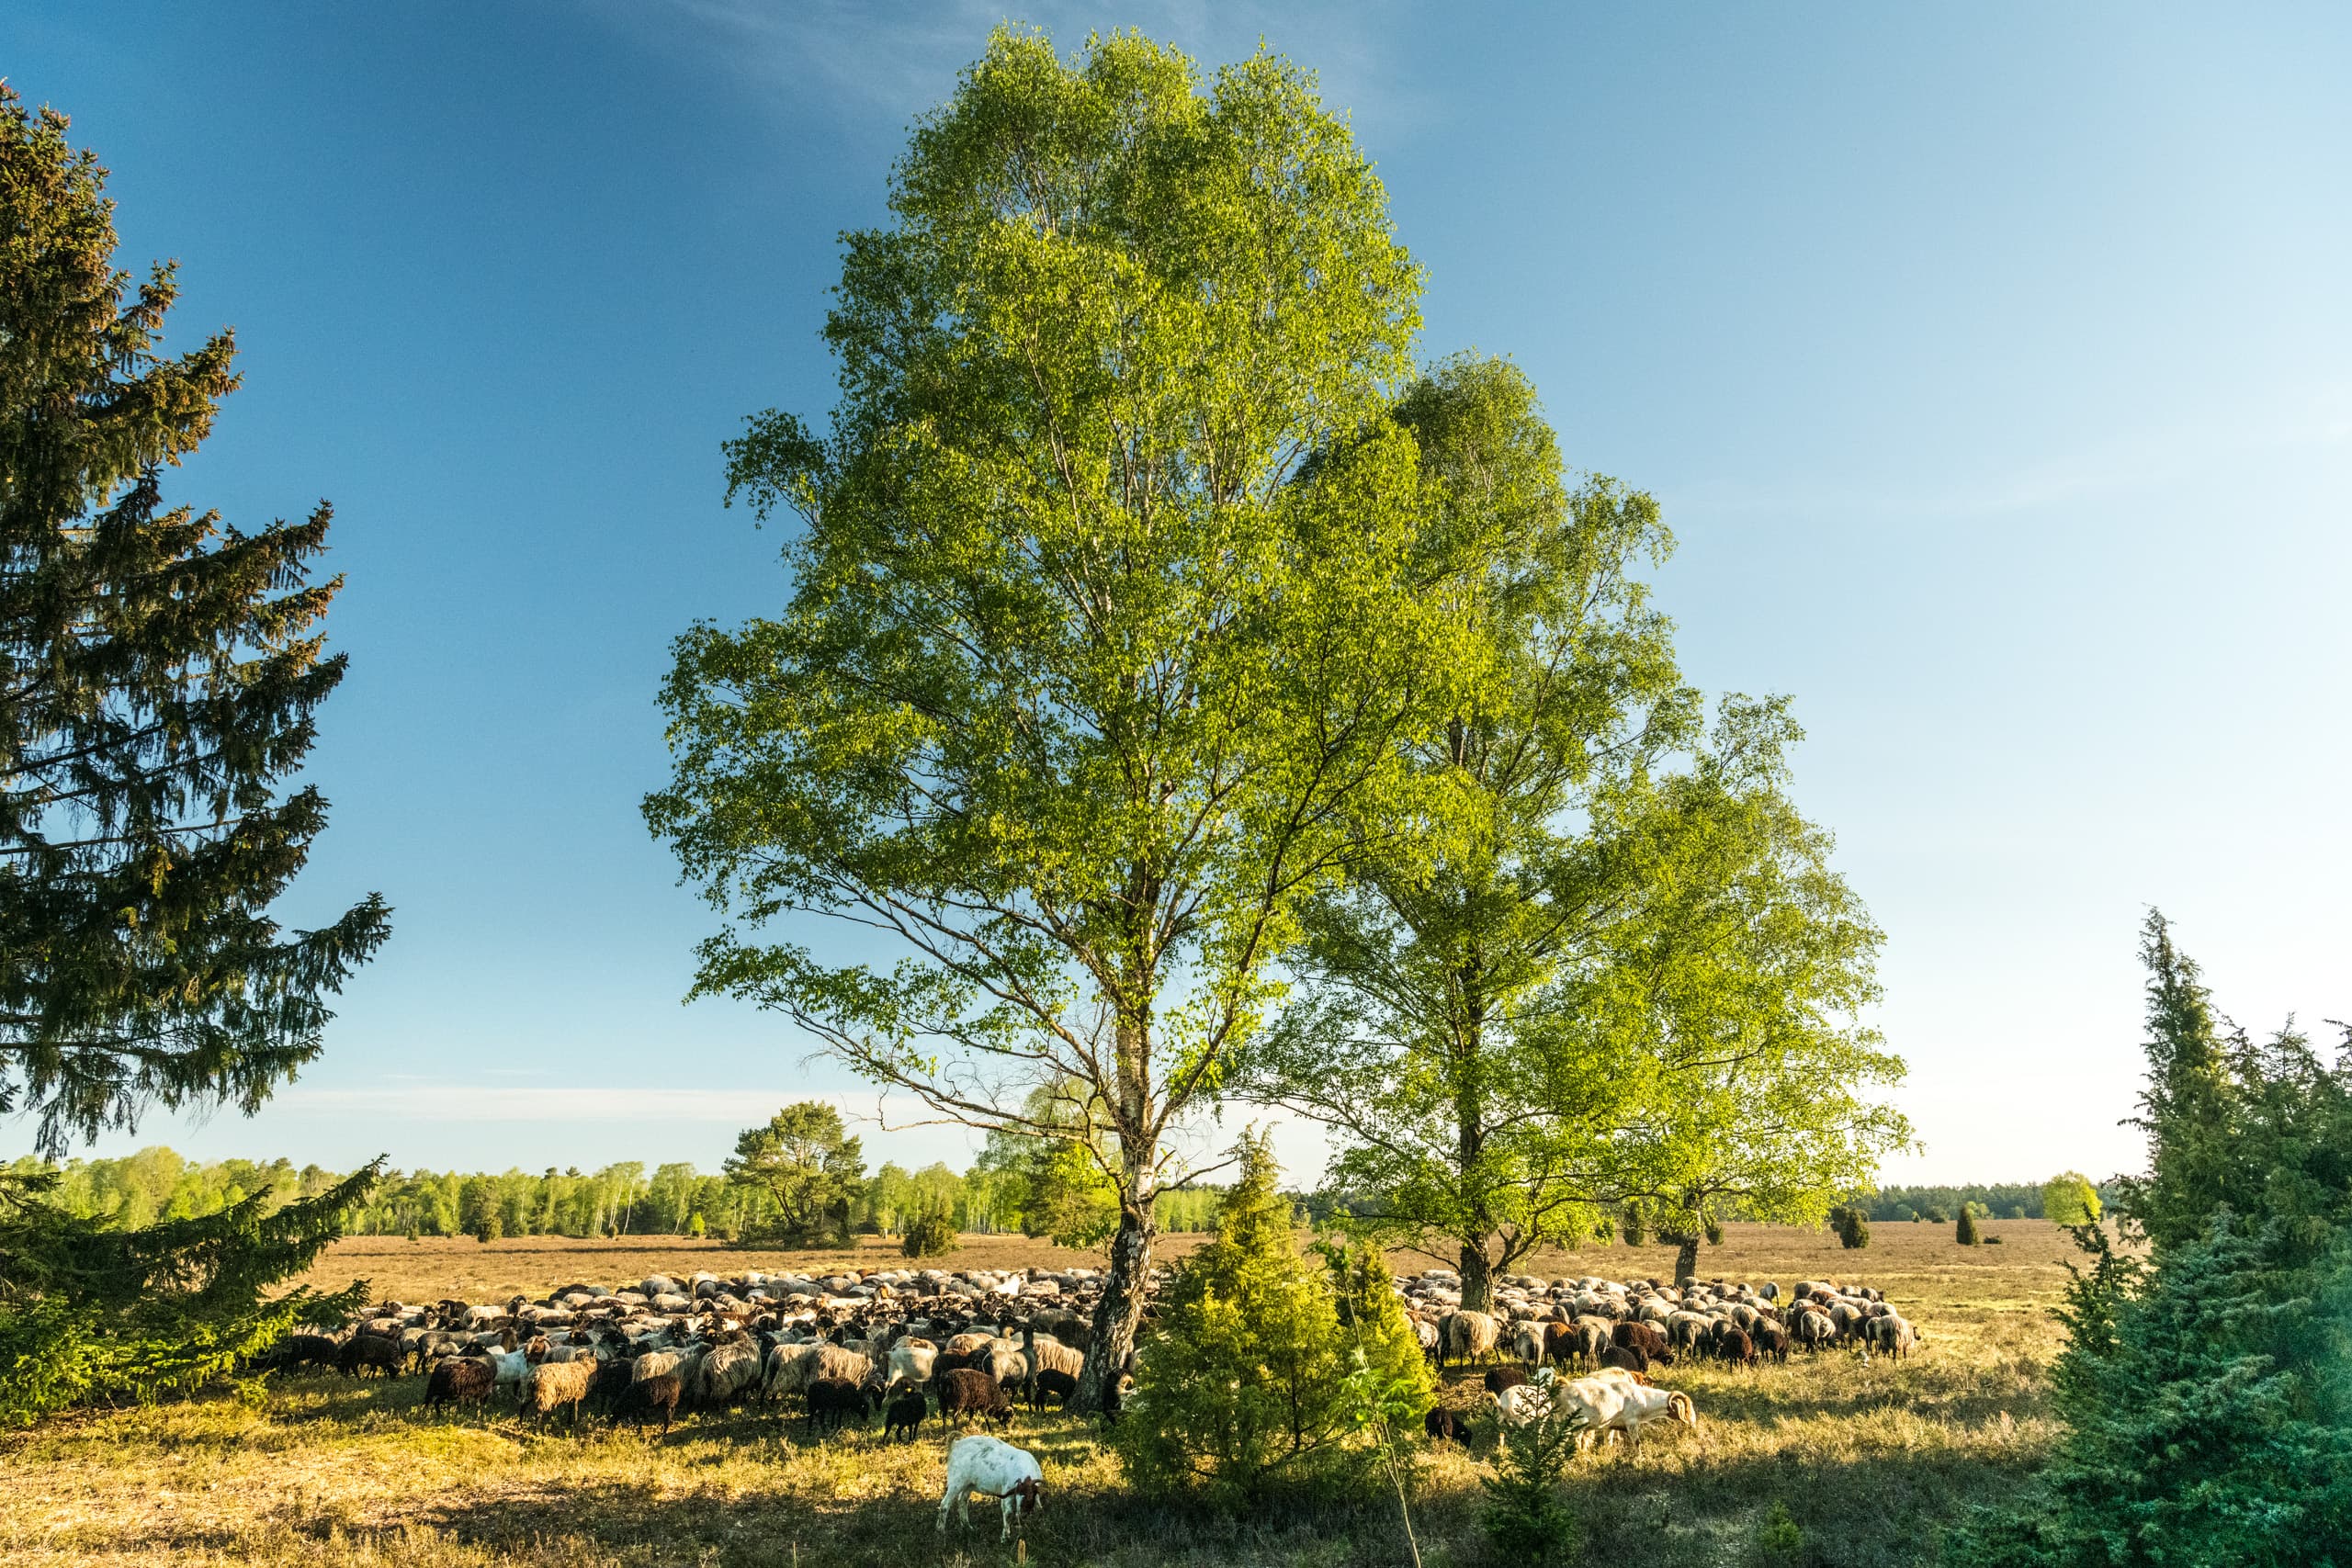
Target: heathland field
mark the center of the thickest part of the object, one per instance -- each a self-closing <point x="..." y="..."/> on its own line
<point x="1868" y="1460"/>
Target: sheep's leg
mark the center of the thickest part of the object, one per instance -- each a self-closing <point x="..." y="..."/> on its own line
<point x="944" y="1499"/>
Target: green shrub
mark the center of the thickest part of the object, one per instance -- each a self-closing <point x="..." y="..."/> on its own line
<point x="1524" y="1518"/>
<point x="1244" y="1388"/>
<point x="2068" y="1198"/>
<point x="1777" y="1538"/>
<point x="1967" y="1231"/>
<point x="929" y="1235"/>
<point x="1852" y="1225"/>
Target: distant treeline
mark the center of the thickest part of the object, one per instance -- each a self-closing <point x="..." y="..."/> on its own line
<point x="2001" y="1200"/>
<point x="617" y="1200"/>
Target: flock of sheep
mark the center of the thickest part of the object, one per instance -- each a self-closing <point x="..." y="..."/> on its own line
<point x="903" y="1343"/>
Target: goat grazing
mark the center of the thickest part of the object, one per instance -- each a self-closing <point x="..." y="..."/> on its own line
<point x="992" y="1467"/>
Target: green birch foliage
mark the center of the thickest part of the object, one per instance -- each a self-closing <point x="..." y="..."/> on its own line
<point x="91" y="1311"/>
<point x="159" y="675"/>
<point x="1242" y="1388"/>
<point x="1632" y="975"/>
<point x="1104" y="625"/>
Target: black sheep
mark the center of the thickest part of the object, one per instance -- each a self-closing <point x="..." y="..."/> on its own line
<point x="1060" y="1385"/>
<point x="1442" y="1425"/>
<point x="1501" y="1378"/>
<point x="647" y="1395"/>
<point x="905" y="1415"/>
<point x="967" y="1390"/>
<point x="1734" y="1346"/>
<point x="308" y="1350"/>
<point x="459" y="1380"/>
<point x="610" y="1385"/>
<point x="363" y="1351"/>
<point x="832" y="1401"/>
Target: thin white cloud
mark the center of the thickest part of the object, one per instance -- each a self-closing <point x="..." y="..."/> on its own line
<point x="905" y="57"/>
<point x="2139" y="460"/>
<point x="409" y="1101"/>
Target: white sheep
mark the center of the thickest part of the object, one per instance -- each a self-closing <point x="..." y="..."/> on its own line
<point x="993" y="1468"/>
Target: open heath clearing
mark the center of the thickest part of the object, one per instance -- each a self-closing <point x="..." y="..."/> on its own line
<point x="1868" y="1460"/>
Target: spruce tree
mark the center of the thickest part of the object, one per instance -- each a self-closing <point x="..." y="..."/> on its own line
<point x="89" y="1310"/>
<point x="159" y="675"/>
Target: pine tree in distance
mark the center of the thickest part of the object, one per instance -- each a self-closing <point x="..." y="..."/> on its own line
<point x="159" y="674"/>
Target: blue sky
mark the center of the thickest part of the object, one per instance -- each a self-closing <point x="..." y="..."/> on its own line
<point x="1993" y="365"/>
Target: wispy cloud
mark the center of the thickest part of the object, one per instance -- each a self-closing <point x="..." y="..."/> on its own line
<point x="904" y="57"/>
<point x="2319" y="420"/>
<point x="406" y="1099"/>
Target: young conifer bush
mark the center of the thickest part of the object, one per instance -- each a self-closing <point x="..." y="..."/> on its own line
<point x="1247" y="1389"/>
<point x="1967" y="1231"/>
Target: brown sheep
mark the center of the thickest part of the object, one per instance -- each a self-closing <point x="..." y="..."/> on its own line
<point x="1625" y="1357"/>
<point x="647" y="1395"/>
<point x="1441" y="1424"/>
<point x="1500" y="1378"/>
<point x="905" y="1415"/>
<point x="832" y="1401"/>
<point x="1644" y="1337"/>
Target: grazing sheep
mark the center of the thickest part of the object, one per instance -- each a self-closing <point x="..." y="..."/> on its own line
<point x="728" y="1371"/>
<point x="996" y="1469"/>
<point x="1467" y="1335"/>
<point x="1059" y="1386"/>
<point x="832" y="1401"/>
<point x="1624" y="1358"/>
<point x="609" y="1384"/>
<point x="1644" y="1337"/>
<point x="1770" y="1339"/>
<point x="1734" y="1346"/>
<point x="967" y="1390"/>
<point x="1813" y="1329"/>
<point x="905" y="1415"/>
<point x="1501" y="1378"/>
<point x="558" y="1385"/>
<point x="911" y="1360"/>
<point x="1443" y="1425"/>
<point x="362" y="1352"/>
<point x="459" y="1380"/>
<point x="1040" y="1353"/>
<point x="647" y="1395"/>
<point x="308" y="1350"/>
<point x="1519" y="1403"/>
<point x="1891" y="1334"/>
<point x="1528" y="1341"/>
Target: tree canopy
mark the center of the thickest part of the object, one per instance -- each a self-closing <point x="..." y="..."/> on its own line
<point x="807" y="1169"/>
<point x="160" y="674"/>
<point x="1103" y="627"/>
<point x="1631" y="975"/>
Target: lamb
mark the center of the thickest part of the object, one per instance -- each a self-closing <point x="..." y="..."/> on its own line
<point x="1468" y="1334"/>
<point x="967" y="1390"/>
<point x="459" y="1380"/>
<point x="646" y="1396"/>
<point x="1443" y="1425"/>
<point x="1040" y="1353"/>
<point x="905" y="1415"/>
<point x="1061" y="1387"/>
<point x="996" y="1469"/>
<point x="558" y="1385"/>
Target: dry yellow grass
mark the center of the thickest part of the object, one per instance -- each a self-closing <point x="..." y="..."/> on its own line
<point x="1870" y="1460"/>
